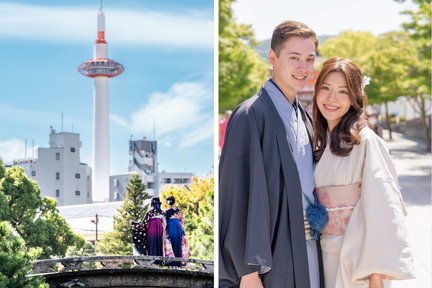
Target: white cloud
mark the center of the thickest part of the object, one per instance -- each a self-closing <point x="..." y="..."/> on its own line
<point x="197" y="135"/>
<point x="181" y="112"/>
<point x="14" y="149"/>
<point x="190" y="29"/>
<point x="120" y="121"/>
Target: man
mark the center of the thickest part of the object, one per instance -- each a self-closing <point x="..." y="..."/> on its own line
<point x="265" y="168"/>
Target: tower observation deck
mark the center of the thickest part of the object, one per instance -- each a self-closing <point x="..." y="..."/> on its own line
<point x="100" y="68"/>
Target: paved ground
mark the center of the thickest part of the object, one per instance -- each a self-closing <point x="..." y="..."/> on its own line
<point x="413" y="165"/>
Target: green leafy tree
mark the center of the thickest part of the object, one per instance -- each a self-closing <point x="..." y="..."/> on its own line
<point x="36" y="220"/>
<point x="16" y="260"/>
<point x="51" y="231"/>
<point x="353" y="45"/>
<point x="202" y="236"/>
<point x="119" y="241"/>
<point x="241" y="70"/>
<point x="86" y="250"/>
<point x="390" y="67"/>
<point x="419" y="29"/>
<point x="197" y="205"/>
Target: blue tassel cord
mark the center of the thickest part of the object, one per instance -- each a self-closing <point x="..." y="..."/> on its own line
<point x="316" y="215"/>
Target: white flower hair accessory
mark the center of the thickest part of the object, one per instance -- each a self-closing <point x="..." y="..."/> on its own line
<point x="365" y="81"/>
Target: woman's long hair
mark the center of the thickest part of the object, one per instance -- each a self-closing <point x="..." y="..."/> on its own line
<point x="345" y="135"/>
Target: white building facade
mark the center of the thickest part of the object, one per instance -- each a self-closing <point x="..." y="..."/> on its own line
<point x="59" y="171"/>
<point x="143" y="161"/>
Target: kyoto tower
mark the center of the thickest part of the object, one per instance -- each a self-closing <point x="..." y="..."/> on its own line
<point x="100" y="68"/>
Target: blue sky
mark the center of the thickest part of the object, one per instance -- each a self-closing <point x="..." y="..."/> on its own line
<point x="328" y="17"/>
<point x="166" y="48"/>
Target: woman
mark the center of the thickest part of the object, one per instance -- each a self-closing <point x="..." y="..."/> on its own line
<point x="175" y="231"/>
<point x="149" y="235"/>
<point x="364" y="243"/>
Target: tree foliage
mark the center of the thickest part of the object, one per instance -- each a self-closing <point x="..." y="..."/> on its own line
<point x="36" y="220"/>
<point x="389" y="67"/>
<point x="119" y="241"/>
<point x="419" y="29"/>
<point x="197" y="205"/>
<point x="16" y="260"/>
<point x="353" y="45"/>
<point x="241" y="70"/>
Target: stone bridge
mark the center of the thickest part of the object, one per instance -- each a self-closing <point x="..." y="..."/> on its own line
<point x="123" y="271"/>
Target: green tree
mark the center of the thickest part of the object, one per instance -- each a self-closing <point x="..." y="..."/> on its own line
<point x="86" y="250"/>
<point x="196" y="203"/>
<point x="389" y="67"/>
<point x="119" y="241"/>
<point x="51" y="231"/>
<point x="353" y="45"/>
<point x="202" y="236"/>
<point x="16" y="260"/>
<point x="419" y="29"/>
<point x="241" y="70"/>
<point x="36" y="220"/>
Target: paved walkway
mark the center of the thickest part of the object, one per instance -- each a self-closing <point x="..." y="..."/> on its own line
<point x="413" y="165"/>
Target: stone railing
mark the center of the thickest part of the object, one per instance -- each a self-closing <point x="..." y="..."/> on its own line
<point x="41" y="267"/>
<point x="124" y="271"/>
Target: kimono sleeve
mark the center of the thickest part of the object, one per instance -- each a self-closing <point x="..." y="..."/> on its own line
<point x="258" y="235"/>
<point x="376" y="239"/>
<point x="245" y="244"/>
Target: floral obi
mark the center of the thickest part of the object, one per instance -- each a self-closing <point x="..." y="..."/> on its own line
<point x="339" y="202"/>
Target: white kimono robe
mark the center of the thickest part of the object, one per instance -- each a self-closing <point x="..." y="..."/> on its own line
<point x="375" y="239"/>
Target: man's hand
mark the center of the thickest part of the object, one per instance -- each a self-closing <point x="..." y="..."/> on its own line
<point x="251" y="280"/>
<point x="375" y="281"/>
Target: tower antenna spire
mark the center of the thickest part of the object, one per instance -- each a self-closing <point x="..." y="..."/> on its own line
<point x="101" y="68"/>
<point x="101" y="5"/>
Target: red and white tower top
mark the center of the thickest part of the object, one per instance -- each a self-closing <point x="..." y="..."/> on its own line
<point x="101" y="69"/>
<point x="100" y="65"/>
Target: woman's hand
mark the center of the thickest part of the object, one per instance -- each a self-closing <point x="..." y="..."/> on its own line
<point x="375" y="281"/>
<point x="251" y="280"/>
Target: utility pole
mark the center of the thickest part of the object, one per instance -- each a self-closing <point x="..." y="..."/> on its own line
<point x="96" y="221"/>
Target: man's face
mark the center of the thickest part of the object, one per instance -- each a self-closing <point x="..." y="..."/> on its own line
<point x="293" y="65"/>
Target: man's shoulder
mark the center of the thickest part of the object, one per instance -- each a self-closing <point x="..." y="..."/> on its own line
<point x="254" y="104"/>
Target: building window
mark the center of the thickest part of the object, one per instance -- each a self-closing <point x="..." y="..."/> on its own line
<point x="33" y="173"/>
<point x="77" y="193"/>
<point x="73" y="149"/>
<point x="57" y="193"/>
<point x="57" y="175"/>
<point x="77" y="176"/>
<point x="57" y="156"/>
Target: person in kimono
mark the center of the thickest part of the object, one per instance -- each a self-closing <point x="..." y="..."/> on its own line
<point x="265" y="170"/>
<point x="149" y="234"/>
<point x="364" y="243"/>
<point x="175" y="231"/>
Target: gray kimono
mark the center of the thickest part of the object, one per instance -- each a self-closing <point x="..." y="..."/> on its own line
<point x="261" y="224"/>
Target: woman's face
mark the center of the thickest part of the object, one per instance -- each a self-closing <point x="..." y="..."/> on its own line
<point x="333" y="99"/>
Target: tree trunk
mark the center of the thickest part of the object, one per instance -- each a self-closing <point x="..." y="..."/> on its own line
<point x="426" y="128"/>
<point x="418" y="103"/>
<point x="388" y="121"/>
